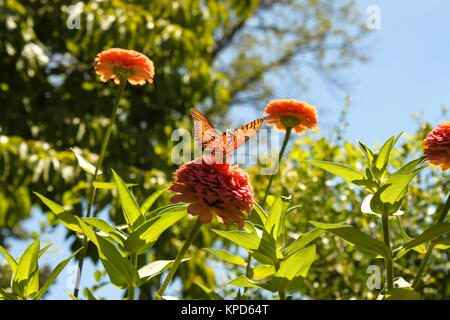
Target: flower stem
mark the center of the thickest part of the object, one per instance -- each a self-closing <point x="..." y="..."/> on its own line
<point x="282" y="294"/>
<point x="92" y="189"/>
<point x="280" y="156"/>
<point x="388" y="260"/>
<point x="178" y="259"/>
<point x="430" y="246"/>
<point x="132" y="288"/>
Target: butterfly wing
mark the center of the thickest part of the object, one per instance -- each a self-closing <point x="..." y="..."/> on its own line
<point x="204" y="132"/>
<point x="214" y="140"/>
<point x="239" y="136"/>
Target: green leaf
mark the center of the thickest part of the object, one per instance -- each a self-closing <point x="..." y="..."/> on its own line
<point x="42" y="251"/>
<point x="12" y="263"/>
<point x="262" y="250"/>
<point x="66" y="217"/>
<point x="261" y="215"/>
<point x="303" y="240"/>
<point x="146" y="205"/>
<point x="370" y="155"/>
<point x="388" y="197"/>
<point x="53" y="275"/>
<point x="110" y="185"/>
<point x="262" y="272"/>
<point x="130" y="208"/>
<point x="120" y="270"/>
<point x="341" y="170"/>
<point x="404" y="293"/>
<point x="26" y="279"/>
<point x="244" y="282"/>
<point x="53" y="206"/>
<point x="275" y="220"/>
<point x="293" y="270"/>
<point x="228" y="257"/>
<point x="154" y="268"/>
<point x="144" y="237"/>
<point x="108" y="229"/>
<point x="84" y="164"/>
<point x="209" y="292"/>
<point x="421" y="248"/>
<point x="159" y="210"/>
<point x="409" y="167"/>
<point x="382" y="158"/>
<point x="442" y="244"/>
<point x="6" y="296"/>
<point x="428" y="235"/>
<point x="363" y="242"/>
<point x="89" y="295"/>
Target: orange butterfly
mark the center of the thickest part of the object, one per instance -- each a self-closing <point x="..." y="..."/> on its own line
<point x="212" y="139"/>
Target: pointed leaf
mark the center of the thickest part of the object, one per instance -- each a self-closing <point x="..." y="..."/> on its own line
<point x="131" y="210"/>
<point x="363" y="242"/>
<point x="142" y="239"/>
<point x="147" y="204"/>
<point x="110" y="230"/>
<point x="209" y="292"/>
<point x="12" y="263"/>
<point x="109" y="185"/>
<point x="262" y="250"/>
<point x="303" y="240"/>
<point x="84" y="164"/>
<point x="26" y="279"/>
<point x="227" y="257"/>
<point x="119" y="269"/>
<point x="341" y="170"/>
<point x="294" y="269"/>
<point x="53" y="275"/>
<point x="428" y="235"/>
<point x="275" y="220"/>
<point x="66" y="218"/>
<point x="155" y="268"/>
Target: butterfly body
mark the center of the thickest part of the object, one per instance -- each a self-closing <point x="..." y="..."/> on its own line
<point x="214" y="141"/>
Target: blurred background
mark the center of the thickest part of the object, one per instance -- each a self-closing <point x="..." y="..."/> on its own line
<point x="373" y="69"/>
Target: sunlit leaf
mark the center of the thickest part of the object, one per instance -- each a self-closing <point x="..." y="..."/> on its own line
<point x="209" y="292"/>
<point x="84" y="164"/>
<point x="227" y="257"/>
<point x="363" y="242"/>
<point x="130" y="208"/>
<point x="26" y="279"/>
<point x="303" y="240"/>
<point x="146" y="205"/>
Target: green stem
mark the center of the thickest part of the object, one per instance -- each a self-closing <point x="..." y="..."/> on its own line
<point x="280" y="156"/>
<point x="430" y="246"/>
<point x="388" y="260"/>
<point x="132" y="288"/>
<point x="247" y="272"/>
<point x="178" y="259"/>
<point x="92" y="189"/>
<point x="282" y="294"/>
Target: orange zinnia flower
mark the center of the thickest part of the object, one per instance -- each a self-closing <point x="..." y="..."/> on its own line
<point x="437" y="146"/>
<point x="118" y="63"/>
<point x="293" y="114"/>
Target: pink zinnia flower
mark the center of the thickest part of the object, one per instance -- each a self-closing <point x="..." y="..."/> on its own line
<point x="210" y="186"/>
<point x="437" y="146"/>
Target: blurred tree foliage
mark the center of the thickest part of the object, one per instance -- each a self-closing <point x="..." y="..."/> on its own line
<point x="208" y="54"/>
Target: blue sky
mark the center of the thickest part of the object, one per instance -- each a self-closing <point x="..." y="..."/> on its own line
<point x="409" y="72"/>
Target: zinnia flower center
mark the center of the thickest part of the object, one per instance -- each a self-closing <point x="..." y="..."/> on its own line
<point x="289" y="122"/>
